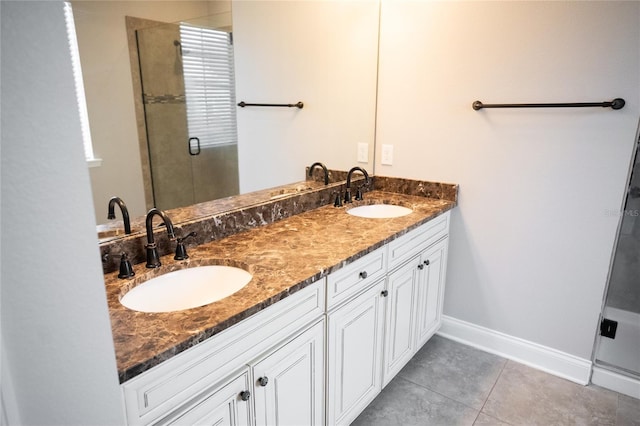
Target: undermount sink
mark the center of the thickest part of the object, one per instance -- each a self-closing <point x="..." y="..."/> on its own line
<point x="380" y="211"/>
<point x="186" y="288"/>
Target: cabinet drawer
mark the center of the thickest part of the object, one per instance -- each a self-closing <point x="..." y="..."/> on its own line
<point x="355" y="277"/>
<point x="160" y="390"/>
<point x="401" y="249"/>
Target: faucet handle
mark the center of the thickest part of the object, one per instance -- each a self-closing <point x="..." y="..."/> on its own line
<point x="181" y="250"/>
<point x="338" y="200"/>
<point x="126" y="270"/>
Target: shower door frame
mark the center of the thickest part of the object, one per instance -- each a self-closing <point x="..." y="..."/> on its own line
<point x="603" y="373"/>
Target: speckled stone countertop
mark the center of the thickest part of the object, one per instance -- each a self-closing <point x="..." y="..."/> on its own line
<point x="284" y="257"/>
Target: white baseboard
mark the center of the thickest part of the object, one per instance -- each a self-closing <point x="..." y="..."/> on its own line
<point x="540" y="357"/>
<point x="616" y="382"/>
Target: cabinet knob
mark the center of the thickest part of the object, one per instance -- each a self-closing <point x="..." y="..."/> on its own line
<point x="426" y="262"/>
<point x="421" y="266"/>
<point x="385" y="293"/>
<point x="363" y="274"/>
<point x="262" y="381"/>
<point x="245" y="395"/>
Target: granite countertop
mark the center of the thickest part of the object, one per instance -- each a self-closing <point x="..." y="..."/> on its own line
<point x="284" y="257"/>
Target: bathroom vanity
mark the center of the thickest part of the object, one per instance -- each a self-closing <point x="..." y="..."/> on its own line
<point x="338" y="304"/>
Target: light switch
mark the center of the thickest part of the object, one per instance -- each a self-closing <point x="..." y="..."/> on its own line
<point x="387" y="155"/>
<point x="363" y="153"/>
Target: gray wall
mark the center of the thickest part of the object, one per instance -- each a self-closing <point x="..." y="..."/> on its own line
<point x="531" y="241"/>
<point x="58" y="364"/>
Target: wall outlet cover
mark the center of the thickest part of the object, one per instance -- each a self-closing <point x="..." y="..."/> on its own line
<point x="387" y="155"/>
<point x="363" y="153"/>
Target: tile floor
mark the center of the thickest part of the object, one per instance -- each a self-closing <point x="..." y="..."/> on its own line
<point x="448" y="383"/>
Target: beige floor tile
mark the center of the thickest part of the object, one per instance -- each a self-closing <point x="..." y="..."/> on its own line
<point x="457" y="371"/>
<point x="525" y="396"/>
<point x="403" y="403"/>
<point x="628" y="411"/>
<point x="485" y="420"/>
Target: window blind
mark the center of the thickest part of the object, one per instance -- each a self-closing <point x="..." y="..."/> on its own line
<point x="207" y="59"/>
<point x="81" y="99"/>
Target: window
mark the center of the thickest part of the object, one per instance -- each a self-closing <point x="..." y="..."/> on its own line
<point x="207" y="59"/>
<point x="92" y="161"/>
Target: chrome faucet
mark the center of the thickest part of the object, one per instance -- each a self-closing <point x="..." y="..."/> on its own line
<point x="326" y="173"/>
<point x="125" y="212"/>
<point x="153" y="258"/>
<point x="347" y="193"/>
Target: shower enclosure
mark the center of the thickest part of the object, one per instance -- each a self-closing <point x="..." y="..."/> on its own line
<point x="188" y="92"/>
<point x="618" y="346"/>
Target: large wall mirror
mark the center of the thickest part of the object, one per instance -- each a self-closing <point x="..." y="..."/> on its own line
<point x="323" y="53"/>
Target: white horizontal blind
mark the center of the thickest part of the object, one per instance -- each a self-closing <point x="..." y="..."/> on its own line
<point x="207" y="59"/>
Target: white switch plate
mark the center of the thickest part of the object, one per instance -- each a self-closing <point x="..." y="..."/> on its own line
<point x="387" y="155"/>
<point x="363" y="153"/>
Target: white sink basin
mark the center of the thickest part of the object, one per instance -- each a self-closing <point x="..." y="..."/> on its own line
<point x="186" y="288"/>
<point x="379" y="211"/>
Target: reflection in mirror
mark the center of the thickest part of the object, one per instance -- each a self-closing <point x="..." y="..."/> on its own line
<point x="321" y="53"/>
<point x="284" y="52"/>
<point x="187" y="79"/>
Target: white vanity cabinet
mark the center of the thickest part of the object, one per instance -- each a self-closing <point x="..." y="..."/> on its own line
<point x="392" y="304"/>
<point x="198" y="385"/>
<point x="284" y="387"/>
<point x="318" y="356"/>
<point x="415" y="282"/>
<point x="414" y="306"/>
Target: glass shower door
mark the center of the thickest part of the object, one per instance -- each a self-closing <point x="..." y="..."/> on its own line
<point x="165" y="116"/>
<point x="618" y="346"/>
<point x="208" y="69"/>
<point x="189" y="109"/>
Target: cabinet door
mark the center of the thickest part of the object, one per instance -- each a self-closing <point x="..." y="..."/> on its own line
<point x="228" y="404"/>
<point x="399" y="339"/>
<point x="355" y="333"/>
<point x="289" y="383"/>
<point x="431" y="291"/>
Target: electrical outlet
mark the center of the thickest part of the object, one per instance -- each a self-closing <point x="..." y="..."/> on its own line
<point x="608" y="328"/>
<point x="387" y="155"/>
<point x="363" y="153"/>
